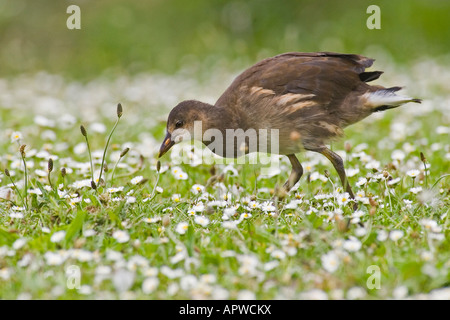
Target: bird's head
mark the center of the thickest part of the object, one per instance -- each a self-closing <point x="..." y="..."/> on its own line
<point x="181" y="122"/>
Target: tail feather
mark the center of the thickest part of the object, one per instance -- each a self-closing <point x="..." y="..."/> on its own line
<point x="370" y="76"/>
<point x="384" y="99"/>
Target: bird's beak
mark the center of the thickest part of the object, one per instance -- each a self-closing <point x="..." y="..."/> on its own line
<point x="166" y="145"/>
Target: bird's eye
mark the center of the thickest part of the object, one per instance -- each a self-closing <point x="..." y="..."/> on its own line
<point x="179" y="124"/>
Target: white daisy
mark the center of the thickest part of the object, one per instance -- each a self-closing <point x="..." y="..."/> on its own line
<point x="131" y="199"/>
<point x="121" y="236"/>
<point x="268" y="206"/>
<point x="426" y="256"/>
<point x="58" y="236"/>
<point x="179" y="174"/>
<point x="182" y="227"/>
<point x="415" y="190"/>
<point x="197" y="188"/>
<point x="199" y="207"/>
<point x="330" y="261"/>
<point x="395" y="235"/>
<point x="393" y="181"/>
<point x="413" y="173"/>
<point x="149" y="285"/>
<point x="230" y="224"/>
<point x="398" y="155"/>
<point x="430" y="225"/>
<point x="382" y="235"/>
<point x="152" y="220"/>
<point x="352" y="172"/>
<point x="253" y="205"/>
<point x="201" y="220"/>
<point x="362" y="181"/>
<point x="54" y="258"/>
<point x="19" y="243"/>
<point x="16" y="136"/>
<point x="137" y="180"/>
<point x="352" y="244"/>
<point x="343" y="199"/>
<point x="278" y="254"/>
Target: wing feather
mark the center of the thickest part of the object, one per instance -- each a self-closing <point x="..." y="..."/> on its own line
<point x="326" y="77"/>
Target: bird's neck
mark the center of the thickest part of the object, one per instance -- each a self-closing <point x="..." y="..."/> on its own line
<point x="214" y="122"/>
<point x="218" y="118"/>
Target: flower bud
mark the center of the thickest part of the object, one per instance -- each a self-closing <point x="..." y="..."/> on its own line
<point x="348" y="147"/>
<point x="422" y="157"/>
<point x="124" y="152"/>
<point x="119" y="110"/>
<point x="158" y="166"/>
<point x="83" y="130"/>
<point x="50" y="165"/>
<point x="22" y="150"/>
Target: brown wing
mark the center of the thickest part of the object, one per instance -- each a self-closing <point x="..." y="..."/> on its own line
<point x="301" y="94"/>
<point x="326" y="75"/>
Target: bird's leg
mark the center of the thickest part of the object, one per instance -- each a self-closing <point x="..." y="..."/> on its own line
<point x="338" y="164"/>
<point x="296" y="173"/>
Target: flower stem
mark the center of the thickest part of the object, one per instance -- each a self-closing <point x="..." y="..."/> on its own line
<point x="18" y="192"/>
<point x="84" y="133"/>
<point x="22" y="153"/>
<point x="106" y="148"/>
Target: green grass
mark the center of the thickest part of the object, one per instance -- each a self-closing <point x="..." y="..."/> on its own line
<point x="129" y="37"/>
<point x="279" y="253"/>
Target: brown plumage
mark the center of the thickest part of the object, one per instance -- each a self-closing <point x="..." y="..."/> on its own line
<point x="308" y="97"/>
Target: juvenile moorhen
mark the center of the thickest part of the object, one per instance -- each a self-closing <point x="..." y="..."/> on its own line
<point x="308" y="97"/>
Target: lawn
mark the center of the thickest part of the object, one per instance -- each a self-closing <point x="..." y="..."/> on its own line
<point x="189" y="230"/>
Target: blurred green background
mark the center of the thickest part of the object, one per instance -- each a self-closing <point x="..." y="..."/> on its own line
<point x="165" y="35"/>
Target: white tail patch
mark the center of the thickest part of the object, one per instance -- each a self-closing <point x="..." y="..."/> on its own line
<point x="386" y="97"/>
